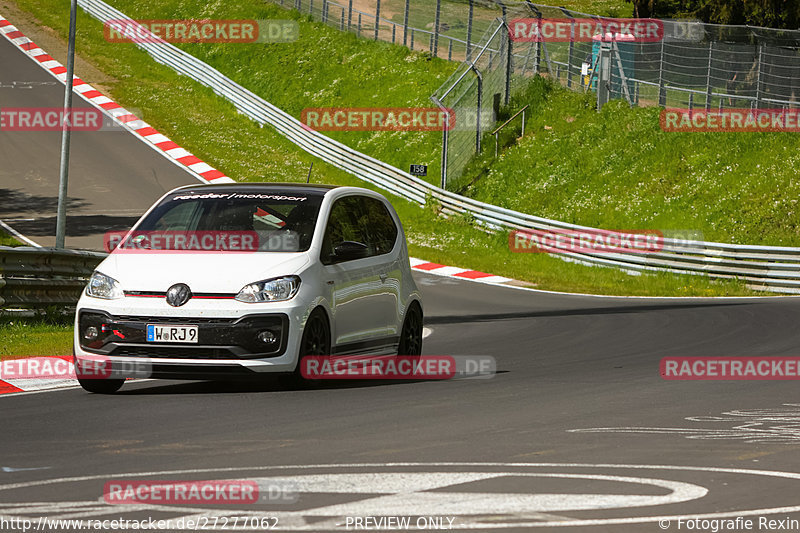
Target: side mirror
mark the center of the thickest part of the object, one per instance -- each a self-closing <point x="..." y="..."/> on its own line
<point x="349" y="250"/>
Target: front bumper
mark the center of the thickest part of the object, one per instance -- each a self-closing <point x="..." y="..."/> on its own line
<point x="227" y="345"/>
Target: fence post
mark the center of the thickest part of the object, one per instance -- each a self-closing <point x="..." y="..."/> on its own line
<point x="662" y="93"/>
<point x="436" y="24"/>
<point x="478" y="114"/>
<point x="405" y="24"/>
<point x="445" y="139"/>
<point x="603" y="75"/>
<point x="377" y="18"/>
<point x="324" y="11"/>
<point x="341" y="23"/>
<point x="758" y="77"/>
<point x="350" y="15"/>
<point x="708" y="75"/>
<point x="509" y="61"/>
<point x="571" y="49"/>
<point x="469" y="30"/>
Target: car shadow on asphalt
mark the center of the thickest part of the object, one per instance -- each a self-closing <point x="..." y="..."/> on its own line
<point x="266" y="384"/>
<point x="485" y="317"/>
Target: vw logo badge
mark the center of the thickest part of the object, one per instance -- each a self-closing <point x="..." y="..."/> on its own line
<point x="178" y="294"/>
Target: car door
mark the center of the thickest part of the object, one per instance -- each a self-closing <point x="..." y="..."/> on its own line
<point x="382" y="241"/>
<point x="358" y="299"/>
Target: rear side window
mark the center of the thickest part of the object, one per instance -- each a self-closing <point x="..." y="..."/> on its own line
<point x="359" y="219"/>
<point x="380" y="226"/>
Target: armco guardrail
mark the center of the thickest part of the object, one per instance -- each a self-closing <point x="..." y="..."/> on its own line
<point x="43" y="277"/>
<point x="761" y="267"/>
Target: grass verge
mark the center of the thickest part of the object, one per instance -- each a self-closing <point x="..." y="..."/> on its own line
<point x="283" y="74"/>
<point x="8" y="240"/>
<point x="618" y="169"/>
<point x="35" y="336"/>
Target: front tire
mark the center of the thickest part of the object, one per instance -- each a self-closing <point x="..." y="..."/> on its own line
<point x="96" y="386"/>
<point x="101" y="386"/>
<point x="316" y="342"/>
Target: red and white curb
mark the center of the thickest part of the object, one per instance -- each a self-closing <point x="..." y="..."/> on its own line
<point x="458" y="273"/>
<point x="50" y="380"/>
<point x="124" y="118"/>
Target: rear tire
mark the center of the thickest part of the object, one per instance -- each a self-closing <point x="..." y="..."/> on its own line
<point x="411" y="334"/>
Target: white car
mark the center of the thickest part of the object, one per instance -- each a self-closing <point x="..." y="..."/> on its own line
<point x="227" y="281"/>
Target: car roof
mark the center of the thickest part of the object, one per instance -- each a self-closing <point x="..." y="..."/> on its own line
<point x="305" y="188"/>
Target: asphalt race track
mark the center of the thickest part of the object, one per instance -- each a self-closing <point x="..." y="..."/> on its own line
<point x="575" y="431"/>
<point x="113" y="176"/>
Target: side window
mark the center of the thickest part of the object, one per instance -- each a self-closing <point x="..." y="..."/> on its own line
<point x="344" y="224"/>
<point x="380" y="225"/>
<point x="359" y="219"/>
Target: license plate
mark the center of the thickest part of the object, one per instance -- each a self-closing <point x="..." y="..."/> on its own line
<point x="185" y="334"/>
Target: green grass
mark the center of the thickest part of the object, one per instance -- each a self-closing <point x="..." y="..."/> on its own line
<point x="8" y="240"/>
<point x="619" y="170"/>
<point x="302" y="74"/>
<point x="40" y="336"/>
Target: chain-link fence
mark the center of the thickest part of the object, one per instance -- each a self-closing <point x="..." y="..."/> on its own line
<point x="691" y="65"/>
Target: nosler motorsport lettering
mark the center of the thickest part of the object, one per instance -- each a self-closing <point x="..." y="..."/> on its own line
<point x="585" y="30"/>
<point x="240" y="196"/>
<point x="378" y="119"/>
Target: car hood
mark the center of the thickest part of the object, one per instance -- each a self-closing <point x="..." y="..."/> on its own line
<point x="205" y="272"/>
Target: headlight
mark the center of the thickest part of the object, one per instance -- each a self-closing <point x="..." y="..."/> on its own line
<point x="270" y="290"/>
<point x="102" y="286"/>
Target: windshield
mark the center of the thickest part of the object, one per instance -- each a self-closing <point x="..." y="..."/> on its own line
<point x="231" y="221"/>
